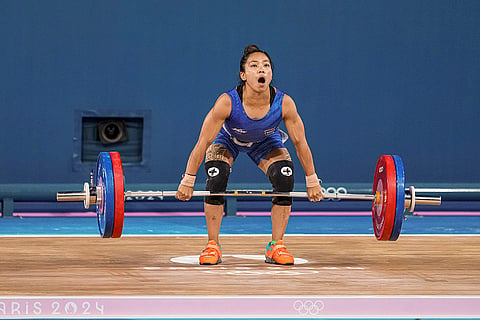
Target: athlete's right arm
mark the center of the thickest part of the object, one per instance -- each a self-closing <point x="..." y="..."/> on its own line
<point x="211" y="126"/>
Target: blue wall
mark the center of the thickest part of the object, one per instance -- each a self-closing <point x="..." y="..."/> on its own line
<point x="369" y="77"/>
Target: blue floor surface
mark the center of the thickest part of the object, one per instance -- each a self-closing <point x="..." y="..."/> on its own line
<point x="236" y="225"/>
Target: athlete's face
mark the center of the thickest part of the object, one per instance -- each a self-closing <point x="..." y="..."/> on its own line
<point x="258" y="71"/>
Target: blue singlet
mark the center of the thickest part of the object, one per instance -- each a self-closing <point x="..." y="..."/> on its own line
<point x="256" y="137"/>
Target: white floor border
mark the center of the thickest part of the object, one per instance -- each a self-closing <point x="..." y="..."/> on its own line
<point x="237" y="307"/>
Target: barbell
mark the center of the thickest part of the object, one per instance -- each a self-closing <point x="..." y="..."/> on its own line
<point x="390" y="199"/>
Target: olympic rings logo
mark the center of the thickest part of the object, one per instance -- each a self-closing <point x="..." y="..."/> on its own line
<point x="309" y="307"/>
<point x="333" y="190"/>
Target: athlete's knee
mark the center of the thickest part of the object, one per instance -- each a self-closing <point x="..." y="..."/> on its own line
<point x="217" y="180"/>
<point x="280" y="174"/>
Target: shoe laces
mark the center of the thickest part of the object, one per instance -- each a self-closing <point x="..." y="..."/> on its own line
<point x="282" y="250"/>
<point x="212" y="250"/>
<point x="279" y="248"/>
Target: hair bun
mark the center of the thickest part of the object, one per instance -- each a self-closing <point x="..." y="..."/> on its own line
<point x="250" y="48"/>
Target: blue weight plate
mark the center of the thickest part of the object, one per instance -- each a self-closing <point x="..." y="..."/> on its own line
<point x="105" y="209"/>
<point x="400" y="209"/>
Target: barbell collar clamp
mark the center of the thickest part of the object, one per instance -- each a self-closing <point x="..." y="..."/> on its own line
<point x="413" y="199"/>
<point x="87" y="200"/>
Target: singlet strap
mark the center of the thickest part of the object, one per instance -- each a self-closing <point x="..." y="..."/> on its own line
<point x="272" y="93"/>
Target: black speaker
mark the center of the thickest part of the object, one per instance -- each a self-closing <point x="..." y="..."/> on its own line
<point x="112" y="131"/>
<point x="123" y="133"/>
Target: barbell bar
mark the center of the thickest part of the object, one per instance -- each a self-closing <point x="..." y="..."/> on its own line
<point x="88" y="197"/>
<point x="390" y="199"/>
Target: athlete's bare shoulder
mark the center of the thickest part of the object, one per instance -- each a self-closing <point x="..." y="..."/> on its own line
<point x="222" y="107"/>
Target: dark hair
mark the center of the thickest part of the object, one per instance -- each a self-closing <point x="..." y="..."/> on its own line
<point x="246" y="53"/>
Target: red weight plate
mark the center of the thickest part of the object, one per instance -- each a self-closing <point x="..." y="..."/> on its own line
<point x="384" y="182"/>
<point x="119" y="194"/>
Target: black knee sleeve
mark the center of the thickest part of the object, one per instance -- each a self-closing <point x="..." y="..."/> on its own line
<point x="217" y="179"/>
<point x="280" y="174"/>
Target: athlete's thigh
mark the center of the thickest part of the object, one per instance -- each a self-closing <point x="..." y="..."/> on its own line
<point x="274" y="155"/>
<point x="219" y="152"/>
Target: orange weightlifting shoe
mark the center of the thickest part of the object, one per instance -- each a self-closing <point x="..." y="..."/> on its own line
<point x="276" y="253"/>
<point x="212" y="254"/>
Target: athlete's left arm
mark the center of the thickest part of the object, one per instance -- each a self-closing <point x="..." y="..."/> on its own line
<point x="296" y="130"/>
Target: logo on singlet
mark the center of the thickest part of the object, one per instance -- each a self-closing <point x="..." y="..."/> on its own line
<point x="239" y="130"/>
<point x="213" y="171"/>
<point x="269" y="131"/>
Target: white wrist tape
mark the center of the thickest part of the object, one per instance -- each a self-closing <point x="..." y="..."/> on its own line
<point x="188" y="180"/>
<point x="312" y="180"/>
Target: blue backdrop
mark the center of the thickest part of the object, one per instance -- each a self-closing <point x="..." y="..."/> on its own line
<point x="368" y="77"/>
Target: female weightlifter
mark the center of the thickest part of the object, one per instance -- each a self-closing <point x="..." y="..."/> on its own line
<point x="246" y="119"/>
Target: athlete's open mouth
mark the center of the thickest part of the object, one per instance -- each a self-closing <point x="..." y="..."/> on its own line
<point x="261" y="80"/>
